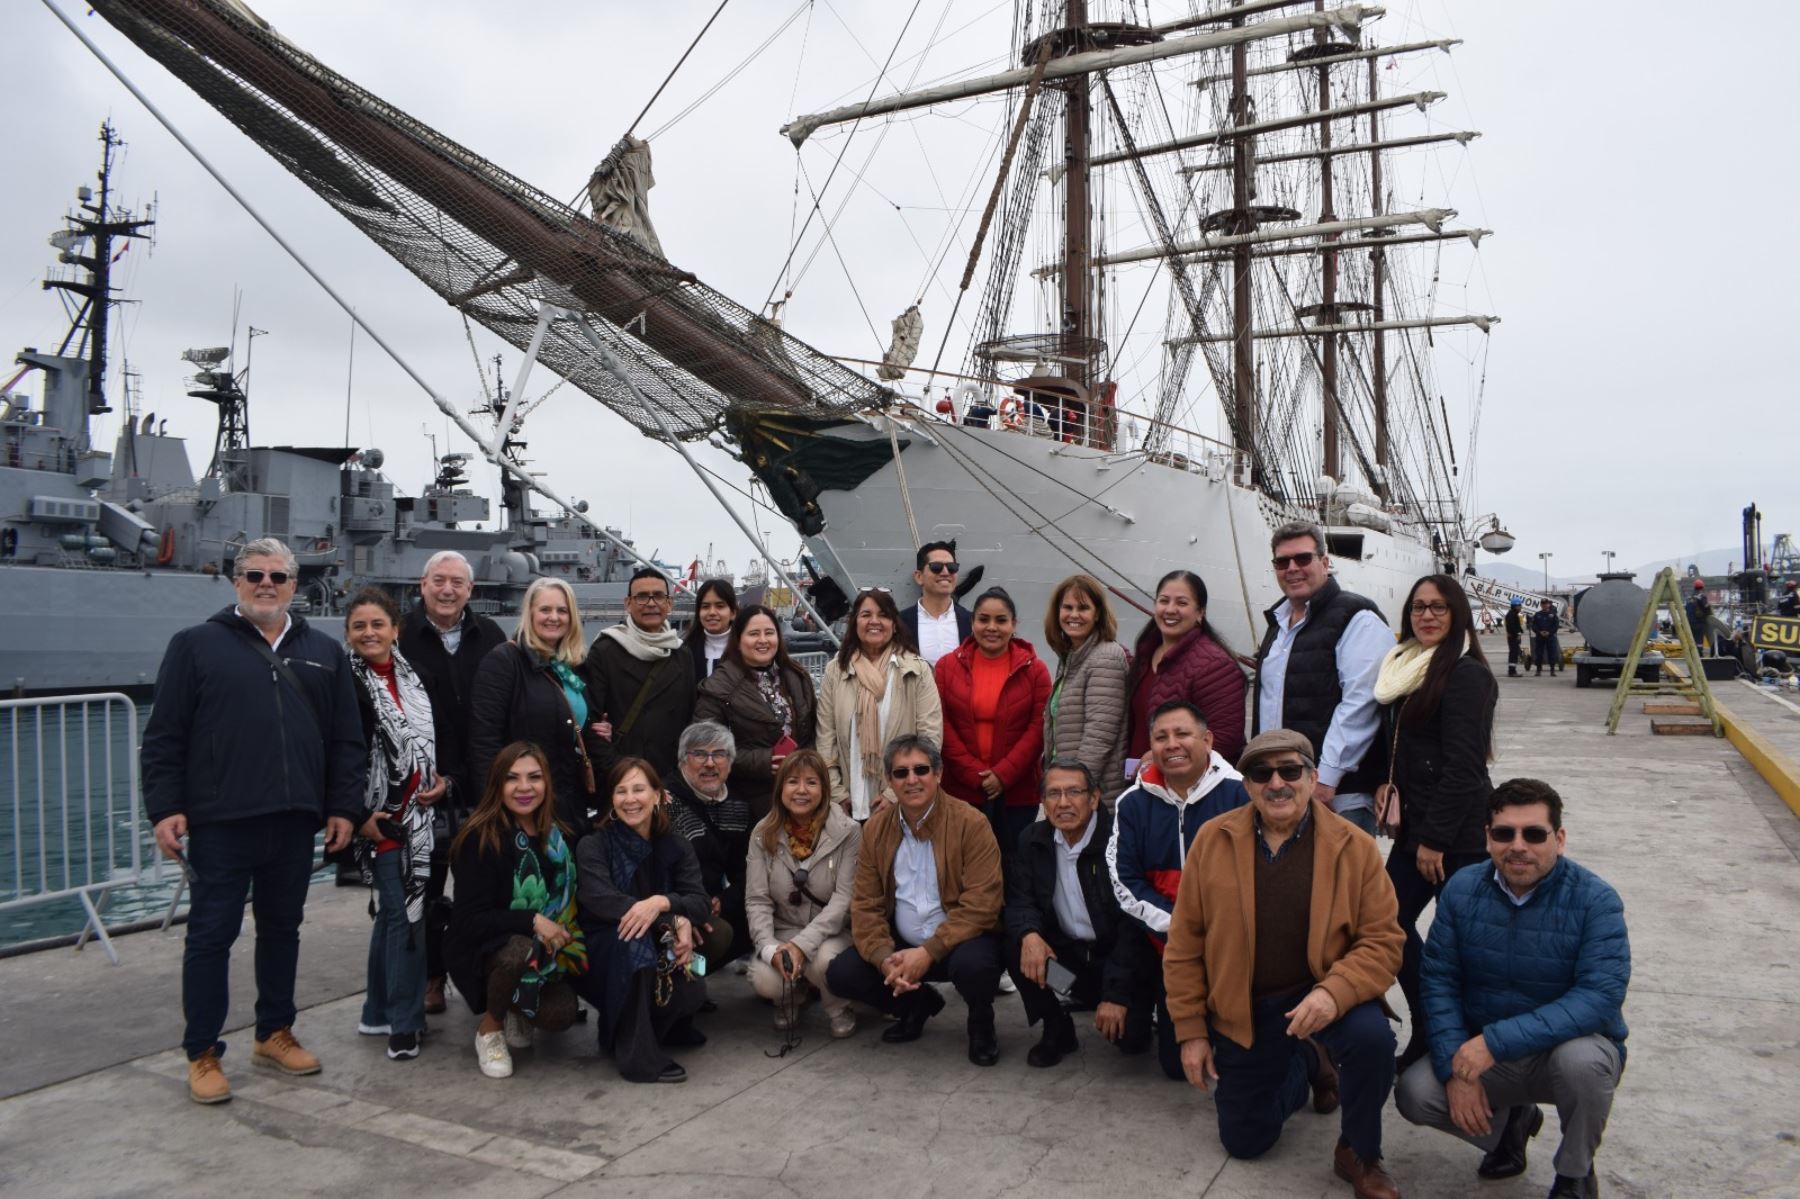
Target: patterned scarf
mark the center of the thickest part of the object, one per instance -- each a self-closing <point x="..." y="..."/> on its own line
<point x="546" y="885"/>
<point x="403" y="747"/>
<point x="626" y="853"/>
<point x="801" y="837"/>
<point x="871" y="685"/>
<point x="574" y="690"/>
<point x="768" y="683"/>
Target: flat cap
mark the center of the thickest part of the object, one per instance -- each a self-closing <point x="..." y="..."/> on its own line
<point x="1277" y="741"/>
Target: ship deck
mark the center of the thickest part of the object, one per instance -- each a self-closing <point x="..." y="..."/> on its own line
<point x="1706" y="857"/>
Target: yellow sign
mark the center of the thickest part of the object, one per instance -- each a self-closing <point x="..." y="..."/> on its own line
<point x="1776" y="632"/>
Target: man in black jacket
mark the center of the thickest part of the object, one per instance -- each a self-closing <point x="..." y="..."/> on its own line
<point x="641" y="690"/>
<point x="253" y="741"/>
<point x="1060" y="908"/>
<point x="717" y="826"/>
<point x="937" y="623"/>
<point x="445" y="642"/>
<point x="1515" y="637"/>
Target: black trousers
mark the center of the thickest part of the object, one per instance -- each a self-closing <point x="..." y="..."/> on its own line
<point x="1414" y="895"/>
<point x="973" y="968"/>
<point x="642" y="1025"/>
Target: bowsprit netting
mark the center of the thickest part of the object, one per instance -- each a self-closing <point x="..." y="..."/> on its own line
<point x="488" y="243"/>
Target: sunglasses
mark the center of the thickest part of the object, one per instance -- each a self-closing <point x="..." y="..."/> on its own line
<point x="1534" y="834"/>
<point x="900" y="772"/>
<point x="1262" y="772"/>
<point x="801" y="874"/>
<point x="1301" y="560"/>
<point x="255" y="577"/>
<point x="943" y="568"/>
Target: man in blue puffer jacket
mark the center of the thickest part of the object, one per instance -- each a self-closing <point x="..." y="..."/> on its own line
<point x="1523" y="980"/>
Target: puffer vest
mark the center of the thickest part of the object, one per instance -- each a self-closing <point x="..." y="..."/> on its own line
<point x="1311" y="692"/>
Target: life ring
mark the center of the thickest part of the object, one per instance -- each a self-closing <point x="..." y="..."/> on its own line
<point x="1012" y="412"/>
<point x="165" y="549"/>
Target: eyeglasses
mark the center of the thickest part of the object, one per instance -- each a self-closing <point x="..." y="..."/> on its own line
<point x="1262" y="772"/>
<point x="801" y="874"/>
<point x="708" y="755"/>
<point x="943" y="568"/>
<point x="1534" y="834"/>
<point x="900" y="772"/>
<point x="1301" y="560"/>
<point x="1434" y="607"/>
<point x="659" y="597"/>
<point x="1056" y="793"/>
<point x="255" y="577"/>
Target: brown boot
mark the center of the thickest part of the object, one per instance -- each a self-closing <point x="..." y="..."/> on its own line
<point x="1367" y="1179"/>
<point x="434" y="996"/>
<point x="282" y="1052"/>
<point x="1324" y="1081"/>
<point x="206" y="1079"/>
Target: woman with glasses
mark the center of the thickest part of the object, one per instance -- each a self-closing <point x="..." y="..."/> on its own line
<point x="534" y="688"/>
<point x="994" y="690"/>
<point x="1180" y="656"/>
<point x="715" y="605"/>
<point x="797" y="894"/>
<point x="1437" y="696"/>
<point x="643" y="686"/>
<point x="876" y="689"/>
<point x="1085" y="718"/>
<point x="764" y="699"/>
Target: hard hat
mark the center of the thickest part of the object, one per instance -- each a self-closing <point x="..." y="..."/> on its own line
<point x="1791" y="585"/>
<point x="1518" y="602"/>
<point x="1699" y="584"/>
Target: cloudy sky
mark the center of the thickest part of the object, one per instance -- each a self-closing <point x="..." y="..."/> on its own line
<point x="1633" y="167"/>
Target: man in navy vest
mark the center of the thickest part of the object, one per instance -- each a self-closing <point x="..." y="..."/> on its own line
<point x="1316" y="668"/>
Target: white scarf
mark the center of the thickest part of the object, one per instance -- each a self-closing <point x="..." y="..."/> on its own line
<point x="642" y="645"/>
<point x="1403" y="670"/>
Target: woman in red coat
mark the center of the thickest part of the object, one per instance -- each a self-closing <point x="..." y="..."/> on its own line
<point x="994" y="688"/>
<point x="1178" y="656"/>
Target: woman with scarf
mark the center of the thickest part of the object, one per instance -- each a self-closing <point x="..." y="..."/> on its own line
<point x="876" y="689"/>
<point x="534" y="688"/>
<point x="1085" y="718"/>
<point x="797" y="894"/>
<point x="641" y="902"/>
<point x="514" y="945"/>
<point x="764" y="699"/>
<point x="394" y="843"/>
<point x="1437" y="695"/>
<point x="715" y="606"/>
<point x="643" y="685"/>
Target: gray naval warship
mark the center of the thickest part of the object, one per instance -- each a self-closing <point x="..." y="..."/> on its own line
<point x="104" y="555"/>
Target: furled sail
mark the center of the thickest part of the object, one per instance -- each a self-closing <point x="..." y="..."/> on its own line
<point x="488" y="243"/>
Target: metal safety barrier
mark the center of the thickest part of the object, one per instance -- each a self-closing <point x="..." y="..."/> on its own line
<point x="813" y="664"/>
<point x="69" y="819"/>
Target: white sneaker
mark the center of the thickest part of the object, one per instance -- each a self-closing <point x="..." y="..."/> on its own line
<point x="375" y="1030"/>
<point x="518" y="1032"/>
<point x="1007" y="986"/>
<point x="492" y="1056"/>
<point x="843" y="1024"/>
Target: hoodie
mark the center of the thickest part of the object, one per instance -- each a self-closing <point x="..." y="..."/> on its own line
<point x="1152" y="830"/>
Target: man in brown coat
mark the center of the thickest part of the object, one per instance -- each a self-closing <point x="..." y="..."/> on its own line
<point x="1281" y="945"/>
<point x="926" y="906"/>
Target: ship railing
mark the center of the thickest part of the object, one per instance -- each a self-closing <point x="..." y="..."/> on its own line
<point x="69" y="822"/>
<point x="813" y="664"/>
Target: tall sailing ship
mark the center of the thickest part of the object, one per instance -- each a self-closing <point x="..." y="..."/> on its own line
<point x="1300" y="302"/>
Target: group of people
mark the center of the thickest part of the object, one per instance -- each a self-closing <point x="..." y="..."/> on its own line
<point x="1531" y="640"/>
<point x="1176" y="839"/>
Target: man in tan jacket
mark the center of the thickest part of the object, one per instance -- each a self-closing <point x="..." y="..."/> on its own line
<point x="926" y="905"/>
<point x="1281" y="945"/>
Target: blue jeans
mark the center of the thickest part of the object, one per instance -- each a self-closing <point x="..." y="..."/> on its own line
<point x="276" y="854"/>
<point x="396" y="994"/>
<point x="1260" y="1087"/>
<point x="1362" y="817"/>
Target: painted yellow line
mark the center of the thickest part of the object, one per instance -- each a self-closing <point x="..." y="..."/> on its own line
<point x="1778" y="770"/>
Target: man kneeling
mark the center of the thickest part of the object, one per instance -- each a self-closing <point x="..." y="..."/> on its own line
<point x="1523" y="980"/>
<point x="926" y="905"/>
<point x="1290" y="996"/>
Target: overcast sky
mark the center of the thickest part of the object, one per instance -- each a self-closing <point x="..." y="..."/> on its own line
<point x="1633" y="167"/>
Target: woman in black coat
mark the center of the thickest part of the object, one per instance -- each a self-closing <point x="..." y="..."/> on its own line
<point x="514" y="945"/>
<point x="535" y="688"/>
<point x="1437" y="695"/>
<point x="766" y="701"/>
<point x="715" y="606"/>
<point x="642" y="902"/>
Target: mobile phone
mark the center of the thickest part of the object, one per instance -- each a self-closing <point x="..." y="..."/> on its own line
<point x="1058" y="977"/>
<point x="187" y="868"/>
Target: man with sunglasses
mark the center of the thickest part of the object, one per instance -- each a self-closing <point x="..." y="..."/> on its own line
<point x="926" y="905"/>
<point x="253" y="742"/>
<point x="1524" y="982"/>
<point x="641" y="692"/>
<point x="1316" y="670"/>
<point x="938" y="623"/>
<point x="1289" y="999"/>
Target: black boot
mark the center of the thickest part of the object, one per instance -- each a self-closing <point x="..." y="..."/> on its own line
<point x="1576" y="1188"/>
<point x="910" y="1025"/>
<point x="984" y="1046"/>
<point x="1059" y="1040"/>
<point x="1507" y="1159"/>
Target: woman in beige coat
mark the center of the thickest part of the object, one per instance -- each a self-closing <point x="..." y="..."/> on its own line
<point x="797" y="892"/>
<point x="1090" y="703"/>
<point x="876" y="689"/>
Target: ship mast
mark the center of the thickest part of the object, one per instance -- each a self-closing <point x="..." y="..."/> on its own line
<point x="1077" y="307"/>
<point x="1378" y="270"/>
<point x="1243" y="426"/>
<point x="1328" y="314"/>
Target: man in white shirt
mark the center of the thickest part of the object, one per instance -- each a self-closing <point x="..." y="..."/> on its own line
<point x="938" y="623"/>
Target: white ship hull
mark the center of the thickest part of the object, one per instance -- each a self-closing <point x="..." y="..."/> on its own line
<point x="1033" y="511"/>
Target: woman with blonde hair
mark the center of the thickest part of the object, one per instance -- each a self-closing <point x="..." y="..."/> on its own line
<point x="1090" y="701"/>
<point x="797" y="891"/>
<point x="535" y="688"/>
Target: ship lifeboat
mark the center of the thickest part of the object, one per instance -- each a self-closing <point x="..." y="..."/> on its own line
<point x="1496" y="540"/>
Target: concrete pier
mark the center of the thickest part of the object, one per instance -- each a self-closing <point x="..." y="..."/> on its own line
<point x="1699" y="846"/>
